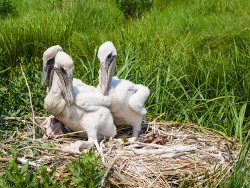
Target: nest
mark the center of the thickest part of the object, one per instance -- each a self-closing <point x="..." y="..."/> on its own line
<point x="170" y="154"/>
<point x="167" y="154"/>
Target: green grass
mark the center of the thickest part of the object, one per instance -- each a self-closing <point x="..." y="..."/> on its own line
<point x="193" y="55"/>
<point x="84" y="172"/>
<point x="23" y="177"/>
<point x="240" y="176"/>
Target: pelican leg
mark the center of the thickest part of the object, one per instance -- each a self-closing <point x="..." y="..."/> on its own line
<point x="80" y="144"/>
<point x="135" y="133"/>
<point x="99" y="149"/>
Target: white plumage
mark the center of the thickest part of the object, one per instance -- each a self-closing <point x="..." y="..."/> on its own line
<point x="79" y="106"/>
<point x="127" y="98"/>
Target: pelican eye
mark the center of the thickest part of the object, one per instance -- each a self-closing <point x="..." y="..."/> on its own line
<point x="50" y="62"/>
<point x="109" y="56"/>
<point x="63" y="71"/>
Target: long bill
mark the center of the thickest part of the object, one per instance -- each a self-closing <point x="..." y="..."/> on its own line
<point x="105" y="75"/>
<point x="47" y="74"/>
<point x="67" y="82"/>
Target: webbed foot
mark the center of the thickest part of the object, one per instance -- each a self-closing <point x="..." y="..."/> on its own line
<point x="53" y="127"/>
<point x="78" y="145"/>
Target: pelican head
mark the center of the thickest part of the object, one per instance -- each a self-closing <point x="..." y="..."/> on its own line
<point x="61" y="64"/>
<point x="48" y="63"/>
<point x="107" y="57"/>
<point x="64" y="68"/>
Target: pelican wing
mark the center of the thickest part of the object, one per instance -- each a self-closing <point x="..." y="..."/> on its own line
<point x="89" y="98"/>
<point x="128" y="93"/>
<point x="137" y="100"/>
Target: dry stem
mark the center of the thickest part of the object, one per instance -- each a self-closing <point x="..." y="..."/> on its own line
<point x="30" y="98"/>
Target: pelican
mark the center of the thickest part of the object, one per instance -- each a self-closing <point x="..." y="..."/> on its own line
<point x="127" y="98"/>
<point x="53" y="126"/>
<point x="80" y="108"/>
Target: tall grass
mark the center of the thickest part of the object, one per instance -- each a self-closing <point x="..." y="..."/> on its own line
<point x="193" y="55"/>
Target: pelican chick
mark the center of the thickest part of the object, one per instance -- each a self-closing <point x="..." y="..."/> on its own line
<point x="79" y="108"/>
<point x="127" y="98"/>
<point x="53" y="126"/>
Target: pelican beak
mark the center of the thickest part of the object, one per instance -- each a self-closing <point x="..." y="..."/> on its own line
<point x="107" y="71"/>
<point x="47" y="74"/>
<point x="66" y="79"/>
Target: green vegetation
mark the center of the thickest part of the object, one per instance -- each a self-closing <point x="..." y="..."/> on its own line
<point x="86" y="173"/>
<point x="85" y="170"/>
<point x="7" y="9"/>
<point x="134" y="8"/>
<point x="22" y="177"/>
<point x="193" y="55"/>
<point x="240" y="176"/>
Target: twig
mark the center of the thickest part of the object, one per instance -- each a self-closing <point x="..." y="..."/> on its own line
<point x="69" y="134"/>
<point x="138" y="144"/>
<point x="33" y="121"/>
<point x="158" y="117"/>
<point x="23" y="161"/>
<point x="153" y="123"/>
<point x="11" y="118"/>
<point x="164" y="123"/>
<point x="4" y="159"/>
<point x="115" y="172"/>
<point x="19" y="118"/>
<point x="172" y="155"/>
<point x="107" y="172"/>
<point x="30" y="98"/>
<point x="172" y="149"/>
<point x="160" y="151"/>
<point x="19" y="160"/>
<point x="38" y="117"/>
<point x="56" y="149"/>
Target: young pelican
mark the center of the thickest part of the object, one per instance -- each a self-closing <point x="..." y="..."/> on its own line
<point x="127" y="98"/>
<point x="79" y="108"/>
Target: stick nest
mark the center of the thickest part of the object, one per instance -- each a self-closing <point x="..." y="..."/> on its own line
<point x="167" y="154"/>
<point x="171" y="154"/>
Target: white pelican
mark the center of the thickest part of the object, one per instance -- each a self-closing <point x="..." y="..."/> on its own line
<point x="127" y="98"/>
<point x="53" y="126"/>
<point x="79" y="108"/>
